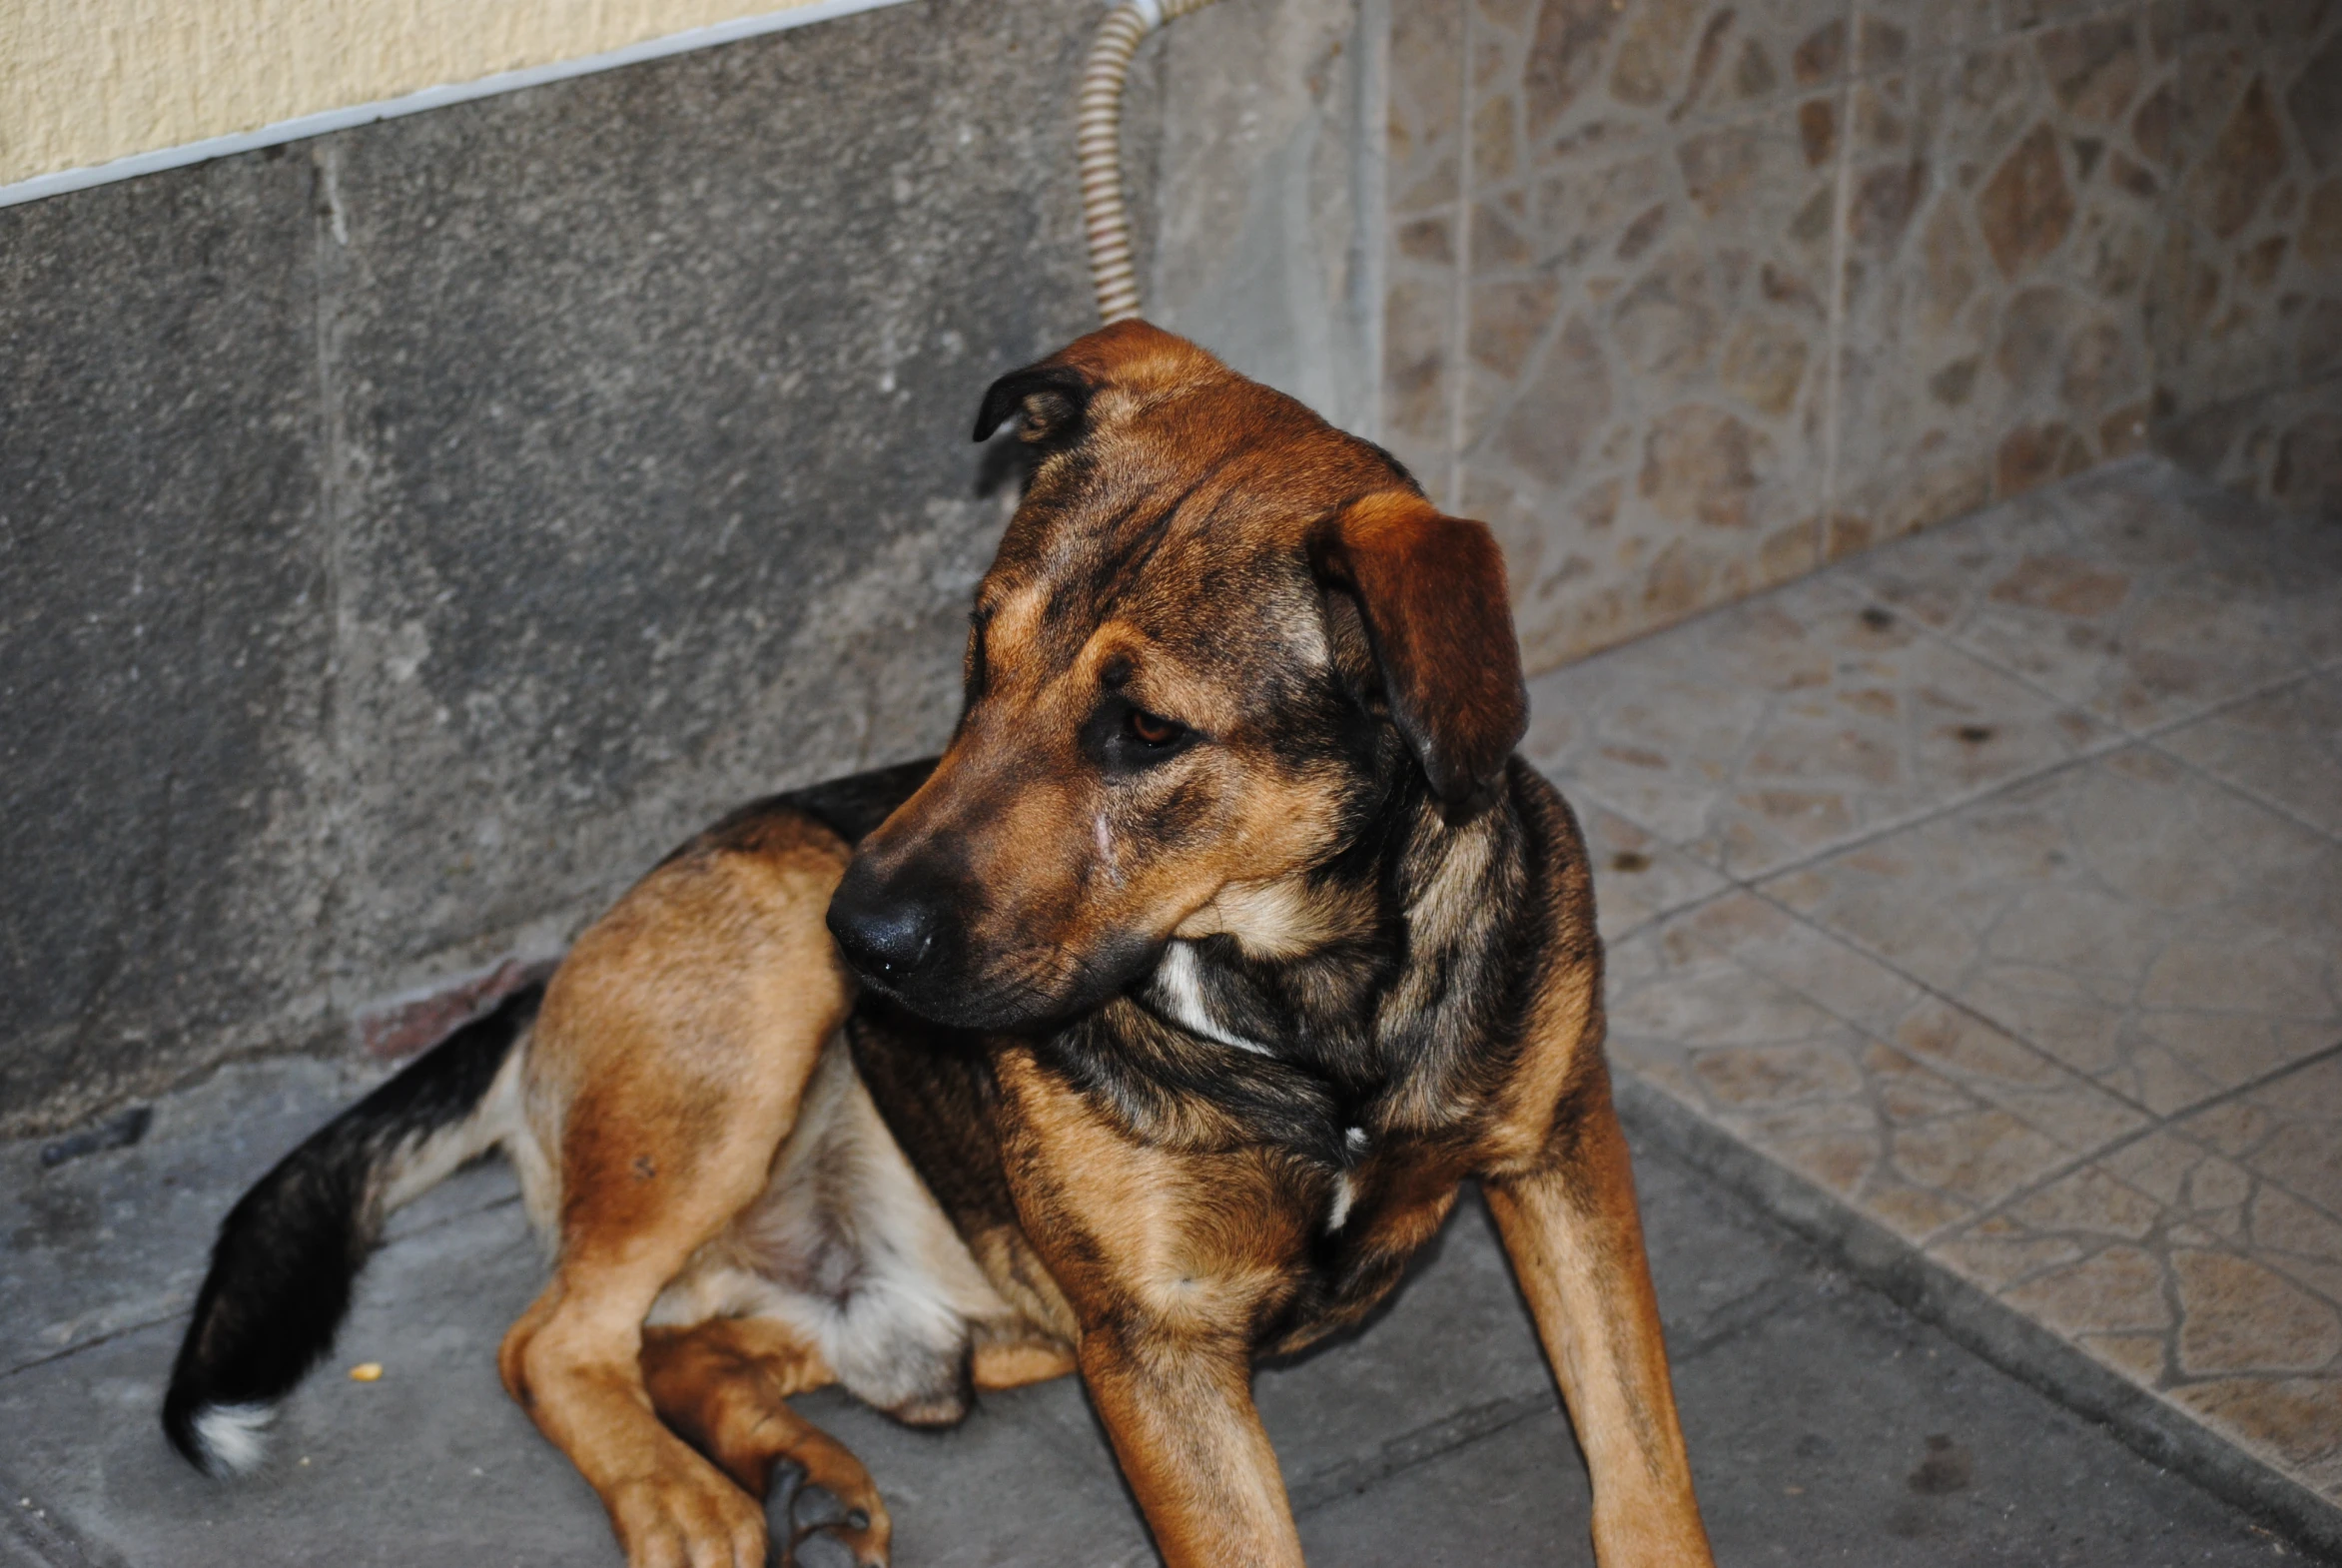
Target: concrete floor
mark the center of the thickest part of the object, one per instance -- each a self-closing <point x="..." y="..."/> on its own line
<point x="1825" y="1425"/>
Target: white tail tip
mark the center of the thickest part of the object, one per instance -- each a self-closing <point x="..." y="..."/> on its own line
<point x="234" y="1438"/>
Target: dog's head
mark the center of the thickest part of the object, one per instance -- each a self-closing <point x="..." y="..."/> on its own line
<point x="1218" y="636"/>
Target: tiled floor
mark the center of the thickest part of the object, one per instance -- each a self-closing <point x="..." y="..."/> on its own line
<point x="1992" y="883"/>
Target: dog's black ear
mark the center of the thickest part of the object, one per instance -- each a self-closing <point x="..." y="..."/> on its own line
<point x="1052" y="394"/>
<point x="1431" y="591"/>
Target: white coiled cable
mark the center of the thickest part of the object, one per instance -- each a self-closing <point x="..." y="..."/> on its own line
<point x="1098" y="140"/>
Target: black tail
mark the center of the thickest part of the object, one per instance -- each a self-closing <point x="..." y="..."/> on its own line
<point x="291" y="1248"/>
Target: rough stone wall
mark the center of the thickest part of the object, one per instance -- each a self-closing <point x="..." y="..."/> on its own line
<point x="1689" y="298"/>
<point x="1269" y="195"/>
<point x="407" y="536"/>
<point x="2245" y="302"/>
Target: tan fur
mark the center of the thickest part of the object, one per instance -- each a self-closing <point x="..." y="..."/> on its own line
<point x="665" y="1068"/>
<point x="1164" y="1258"/>
<point x="1576" y="1243"/>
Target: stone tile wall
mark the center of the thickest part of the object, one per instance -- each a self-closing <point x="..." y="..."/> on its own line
<point x="1689" y="298"/>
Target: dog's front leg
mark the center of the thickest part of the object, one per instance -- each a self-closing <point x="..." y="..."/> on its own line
<point x="1570" y="1225"/>
<point x="1183" y="1422"/>
<point x="1168" y="1261"/>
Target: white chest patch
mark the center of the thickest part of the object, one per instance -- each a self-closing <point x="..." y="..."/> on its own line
<point x="1337" y="1213"/>
<point x="1179" y="987"/>
<point x="1339" y="1209"/>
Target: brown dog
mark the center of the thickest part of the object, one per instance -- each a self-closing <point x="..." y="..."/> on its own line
<point x="1177" y="998"/>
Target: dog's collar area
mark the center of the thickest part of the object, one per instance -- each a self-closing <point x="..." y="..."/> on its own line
<point x="1178" y="992"/>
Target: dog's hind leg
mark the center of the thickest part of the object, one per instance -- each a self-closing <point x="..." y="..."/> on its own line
<point x="724" y="1385"/>
<point x="667" y="1070"/>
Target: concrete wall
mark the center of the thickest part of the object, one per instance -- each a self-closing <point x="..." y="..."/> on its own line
<point x="1689" y="298"/>
<point x="408" y="534"/>
<point x="1271" y="195"/>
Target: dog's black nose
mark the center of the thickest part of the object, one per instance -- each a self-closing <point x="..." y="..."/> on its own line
<point x="882" y="932"/>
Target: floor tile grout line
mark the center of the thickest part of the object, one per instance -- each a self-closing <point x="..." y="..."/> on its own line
<point x="2155" y="735"/>
<point x="2157" y="1119"/>
<point x="1750" y="1309"/>
<point x="1474" y="1423"/>
<point x="2212" y="710"/>
<point x="2122" y="731"/>
<point x="1739" y="883"/>
<point x="1924" y="1252"/>
<point x="108" y="1337"/>
<point x="2121" y="740"/>
<point x="1969" y="650"/>
<point x="1735" y="884"/>
<point x="1672" y="912"/>
<point x="1966" y="1008"/>
<point x="1845" y="566"/>
<point x="2116" y="739"/>
<point x="2165" y="1123"/>
<point x="1868" y="1250"/>
<point x="1863" y="839"/>
<point x="2242" y="790"/>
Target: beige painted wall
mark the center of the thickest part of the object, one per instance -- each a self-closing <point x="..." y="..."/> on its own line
<point x="83" y="82"/>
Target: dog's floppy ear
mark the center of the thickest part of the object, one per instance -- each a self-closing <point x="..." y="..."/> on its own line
<point x="1431" y="591"/>
<point x="1052" y="394"/>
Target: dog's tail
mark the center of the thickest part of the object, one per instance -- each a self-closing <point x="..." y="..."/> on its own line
<point x="291" y="1248"/>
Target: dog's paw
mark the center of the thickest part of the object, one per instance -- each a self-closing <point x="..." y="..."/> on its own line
<point x="812" y="1528"/>
<point x="689" y="1518"/>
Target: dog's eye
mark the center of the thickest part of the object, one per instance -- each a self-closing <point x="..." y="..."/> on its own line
<point x="1149" y="729"/>
<point x="1124" y="738"/>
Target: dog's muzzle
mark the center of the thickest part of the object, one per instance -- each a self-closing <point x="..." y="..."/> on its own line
<point x="886" y="932"/>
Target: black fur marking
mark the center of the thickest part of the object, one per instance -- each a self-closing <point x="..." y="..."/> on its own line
<point x="851" y="807"/>
<point x="291" y="1248"/>
<point x="975" y="678"/>
<point x="1062" y="393"/>
<point x="1405" y="474"/>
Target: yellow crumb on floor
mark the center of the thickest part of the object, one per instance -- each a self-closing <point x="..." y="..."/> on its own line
<point x="367" y="1372"/>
